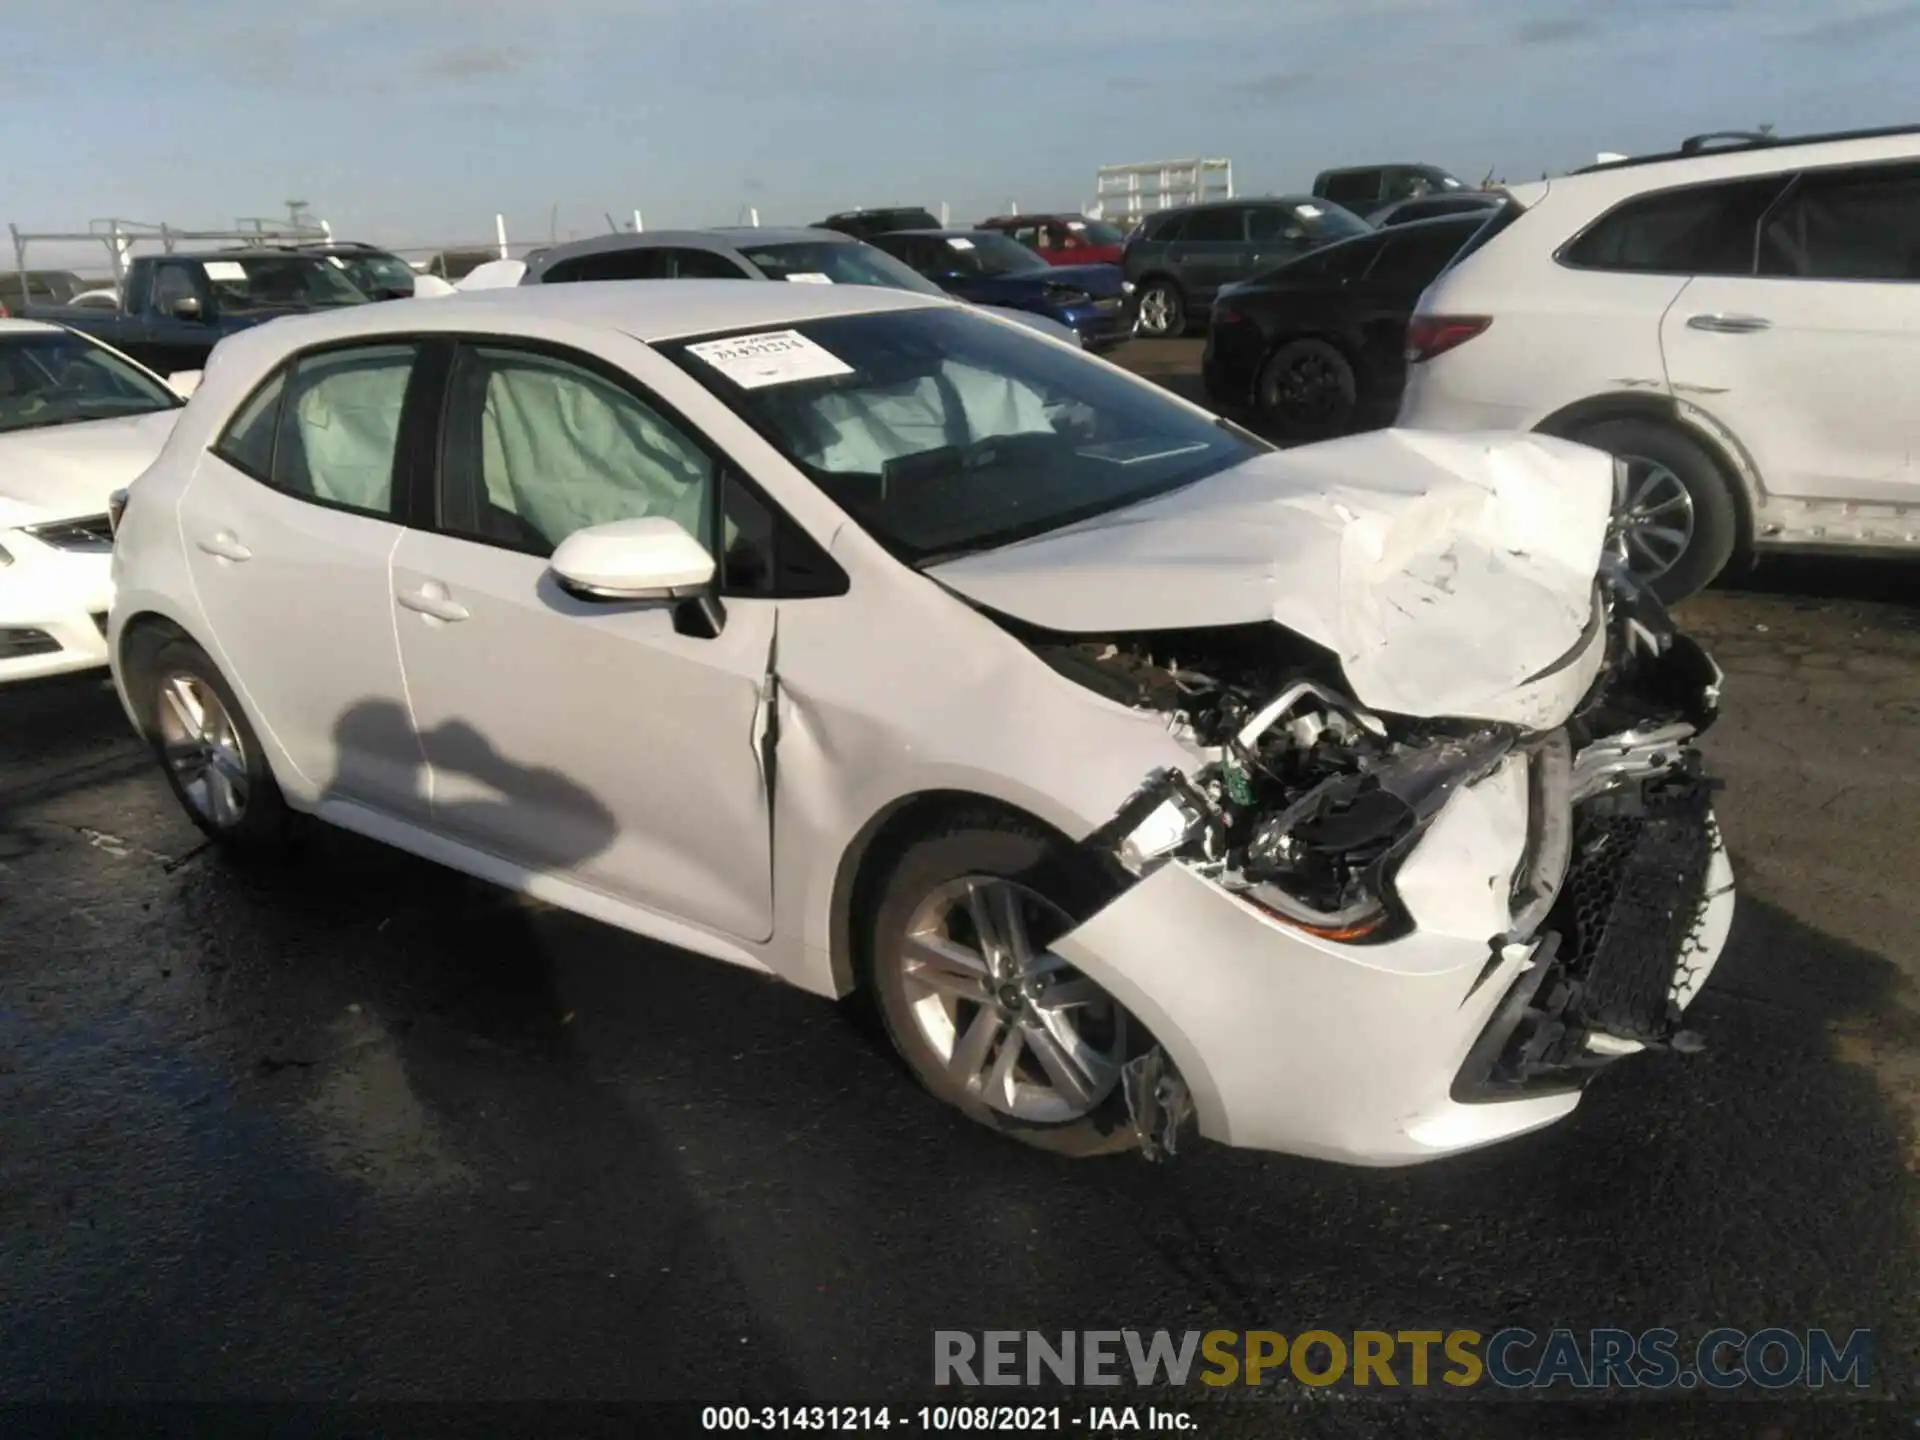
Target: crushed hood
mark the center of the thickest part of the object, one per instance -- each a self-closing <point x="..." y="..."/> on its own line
<point x="1452" y="574"/>
<point x="63" y="472"/>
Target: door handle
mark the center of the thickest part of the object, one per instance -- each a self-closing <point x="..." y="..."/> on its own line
<point x="225" y="546"/>
<point x="432" y="600"/>
<point x="1729" y="324"/>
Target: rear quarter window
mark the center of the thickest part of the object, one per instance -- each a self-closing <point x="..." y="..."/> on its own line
<point x="1708" y="229"/>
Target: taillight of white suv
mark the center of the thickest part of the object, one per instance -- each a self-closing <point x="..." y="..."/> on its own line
<point x="1431" y="335"/>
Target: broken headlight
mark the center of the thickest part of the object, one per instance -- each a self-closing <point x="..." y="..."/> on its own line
<point x="1306" y="811"/>
<point x="1324" y="863"/>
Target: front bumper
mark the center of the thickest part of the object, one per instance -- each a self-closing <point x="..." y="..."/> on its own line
<point x="1393" y="1053"/>
<point x="1104" y="324"/>
<point x="53" y="610"/>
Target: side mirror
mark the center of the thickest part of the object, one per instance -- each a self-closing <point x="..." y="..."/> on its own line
<point x="650" y="559"/>
<point x="187" y="307"/>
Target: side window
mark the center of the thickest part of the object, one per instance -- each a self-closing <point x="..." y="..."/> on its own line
<point x="1225" y="224"/>
<point x="1353" y="187"/>
<point x="536" y="447"/>
<point x="1271" y="224"/>
<point x="1167" y="231"/>
<point x="704" y="265"/>
<point x="340" y="426"/>
<point x="171" y="284"/>
<point x="1029" y="236"/>
<point x="1861" y="224"/>
<point x="247" y="443"/>
<point x="636" y="264"/>
<point x="766" y="554"/>
<point x="1701" y="230"/>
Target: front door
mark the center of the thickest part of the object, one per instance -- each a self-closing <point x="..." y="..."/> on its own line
<point x="1212" y="250"/>
<point x="1814" y="363"/>
<point x="289" y="523"/>
<point x="581" y="738"/>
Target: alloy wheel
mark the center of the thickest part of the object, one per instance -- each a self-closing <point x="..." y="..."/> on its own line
<point x="1014" y="1024"/>
<point x="1309" y="391"/>
<point x="1652" y="516"/>
<point x="1156" y="310"/>
<point x="203" y="749"/>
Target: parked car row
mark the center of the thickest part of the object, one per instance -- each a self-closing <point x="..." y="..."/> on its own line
<point x="1738" y="322"/>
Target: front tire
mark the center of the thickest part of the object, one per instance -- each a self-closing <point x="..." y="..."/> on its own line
<point x="214" y="762"/>
<point x="1677" y="525"/>
<point x="1163" y="311"/>
<point x="982" y="1013"/>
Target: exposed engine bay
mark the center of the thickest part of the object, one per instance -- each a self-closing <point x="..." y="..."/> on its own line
<point x="1303" y="803"/>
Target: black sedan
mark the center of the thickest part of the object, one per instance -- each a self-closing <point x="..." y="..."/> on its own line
<point x="989" y="268"/>
<point x="1316" y="347"/>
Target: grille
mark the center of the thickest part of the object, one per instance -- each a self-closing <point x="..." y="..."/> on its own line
<point x="1631" y="896"/>
<point x="91" y="532"/>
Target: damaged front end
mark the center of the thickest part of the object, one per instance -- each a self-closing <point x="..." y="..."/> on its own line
<point x="1305" y="805"/>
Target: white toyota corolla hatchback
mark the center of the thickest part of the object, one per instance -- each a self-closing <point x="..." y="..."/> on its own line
<point x="1337" y="800"/>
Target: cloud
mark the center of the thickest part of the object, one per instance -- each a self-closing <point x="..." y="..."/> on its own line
<point x="1859" y="28"/>
<point x="1555" y="30"/>
<point x="473" y="62"/>
<point x="1276" y="85"/>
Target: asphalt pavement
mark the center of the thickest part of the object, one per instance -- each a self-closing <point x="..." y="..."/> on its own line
<point x="352" y="1127"/>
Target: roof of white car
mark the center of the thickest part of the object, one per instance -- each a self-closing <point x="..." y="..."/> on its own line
<point x="649" y="310"/>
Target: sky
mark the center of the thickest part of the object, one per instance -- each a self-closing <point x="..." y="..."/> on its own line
<point x="413" y="122"/>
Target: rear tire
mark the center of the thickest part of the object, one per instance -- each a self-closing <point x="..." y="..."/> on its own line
<point x="1163" y="311"/>
<point x="1684" y="491"/>
<point x="213" y="760"/>
<point x="956" y="1044"/>
<point x="1307" y="391"/>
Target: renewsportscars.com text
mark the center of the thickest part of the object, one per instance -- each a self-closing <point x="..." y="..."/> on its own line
<point x="1511" y="1359"/>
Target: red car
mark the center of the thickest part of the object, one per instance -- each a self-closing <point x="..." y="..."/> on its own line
<point x="1063" y="239"/>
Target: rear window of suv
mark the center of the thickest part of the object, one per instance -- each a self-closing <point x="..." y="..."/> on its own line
<point x="1696" y="230"/>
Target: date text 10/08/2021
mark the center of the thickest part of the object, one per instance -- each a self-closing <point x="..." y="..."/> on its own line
<point x="986" y="1419"/>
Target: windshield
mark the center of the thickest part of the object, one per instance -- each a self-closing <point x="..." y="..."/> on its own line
<point x="839" y="262"/>
<point x="988" y="252"/>
<point x="62" y="378"/>
<point x="1325" y="221"/>
<point x="376" y="274"/>
<point x="942" y="432"/>
<point x="279" y="282"/>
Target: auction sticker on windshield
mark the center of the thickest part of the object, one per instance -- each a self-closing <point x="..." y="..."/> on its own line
<point x="226" y="270"/>
<point x="777" y="357"/>
<point x="809" y="277"/>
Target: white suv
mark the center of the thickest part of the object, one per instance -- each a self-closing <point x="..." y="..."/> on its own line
<point x="1739" y="322"/>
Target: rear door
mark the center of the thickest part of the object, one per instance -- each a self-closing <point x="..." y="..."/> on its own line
<point x="1813" y="361"/>
<point x="289" y="523"/>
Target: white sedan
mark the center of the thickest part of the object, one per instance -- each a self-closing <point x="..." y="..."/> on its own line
<point x="1334" y="801"/>
<point x="77" y="422"/>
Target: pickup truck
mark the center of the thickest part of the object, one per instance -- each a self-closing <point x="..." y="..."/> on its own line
<point x="175" y="308"/>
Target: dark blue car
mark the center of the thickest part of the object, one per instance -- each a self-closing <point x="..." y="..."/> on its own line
<point x="989" y="268"/>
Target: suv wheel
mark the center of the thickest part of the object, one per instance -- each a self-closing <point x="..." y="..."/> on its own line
<point x="1674" y="522"/>
<point x="1163" y="311"/>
